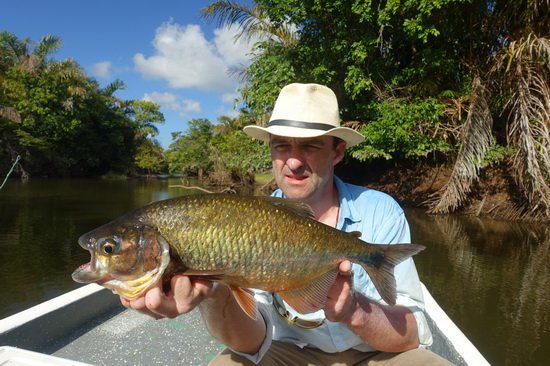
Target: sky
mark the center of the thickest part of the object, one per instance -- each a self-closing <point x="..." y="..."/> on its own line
<point x="162" y="50"/>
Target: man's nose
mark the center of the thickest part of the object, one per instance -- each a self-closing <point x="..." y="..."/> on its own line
<point x="295" y="159"/>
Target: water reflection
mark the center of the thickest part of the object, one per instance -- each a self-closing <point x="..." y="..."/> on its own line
<point x="492" y="277"/>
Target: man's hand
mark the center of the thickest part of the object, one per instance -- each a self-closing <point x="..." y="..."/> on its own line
<point x="386" y="328"/>
<point x="341" y="303"/>
<point x="184" y="295"/>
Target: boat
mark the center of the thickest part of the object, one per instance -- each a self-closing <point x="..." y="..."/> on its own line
<point x="89" y="326"/>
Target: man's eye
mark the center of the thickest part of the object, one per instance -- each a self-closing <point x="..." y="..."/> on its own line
<point x="313" y="147"/>
<point x="280" y="146"/>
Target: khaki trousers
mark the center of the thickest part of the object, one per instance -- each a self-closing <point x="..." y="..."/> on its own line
<point x="288" y="354"/>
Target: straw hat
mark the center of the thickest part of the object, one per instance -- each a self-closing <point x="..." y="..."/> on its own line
<point x="305" y="110"/>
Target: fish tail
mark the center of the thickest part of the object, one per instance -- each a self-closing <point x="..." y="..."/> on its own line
<point x="381" y="263"/>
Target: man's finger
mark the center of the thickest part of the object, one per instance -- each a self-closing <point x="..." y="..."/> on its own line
<point x="158" y="303"/>
<point x="188" y="293"/>
<point x="345" y="268"/>
<point x="139" y="306"/>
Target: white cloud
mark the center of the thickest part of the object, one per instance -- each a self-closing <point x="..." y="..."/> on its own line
<point x="191" y="106"/>
<point x="167" y="100"/>
<point x="233" y="51"/>
<point x="231" y="113"/>
<point x="230" y="97"/>
<point x="184" y="58"/>
<point x="102" y="69"/>
<point x="172" y="102"/>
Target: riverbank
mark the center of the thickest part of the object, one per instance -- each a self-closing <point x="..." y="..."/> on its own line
<point x="414" y="184"/>
<point x="411" y="183"/>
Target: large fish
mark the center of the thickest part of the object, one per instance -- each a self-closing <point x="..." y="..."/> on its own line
<point x="265" y="243"/>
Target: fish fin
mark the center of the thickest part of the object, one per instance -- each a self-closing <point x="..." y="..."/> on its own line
<point x="355" y="234"/>
<point x="380" y="265"/>
<point x="311" y="297"/>
<point x="211" y="275"/>
<point x="245" y="299"/>
<point x="297" y="207"/>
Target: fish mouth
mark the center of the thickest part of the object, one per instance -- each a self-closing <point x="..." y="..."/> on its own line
<point x="84" y="241"/>
<point x="84" y="274"/>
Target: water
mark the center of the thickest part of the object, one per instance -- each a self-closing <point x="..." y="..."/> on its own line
<point x="491" y="277"/>
<point x="40" y="222"/>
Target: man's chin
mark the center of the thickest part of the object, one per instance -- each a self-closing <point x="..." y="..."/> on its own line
<point x="296" y="192"/>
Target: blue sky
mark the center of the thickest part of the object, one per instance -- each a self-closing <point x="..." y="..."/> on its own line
<point x="162" y="50"/>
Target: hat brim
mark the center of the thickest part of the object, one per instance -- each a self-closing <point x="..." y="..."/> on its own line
<point x="349" y="135"/>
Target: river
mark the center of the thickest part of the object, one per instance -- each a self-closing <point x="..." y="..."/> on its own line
<point x="492" y="277"/>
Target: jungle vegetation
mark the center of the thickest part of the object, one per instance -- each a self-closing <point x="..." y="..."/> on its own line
<point x="60" y="122"/>
<point x="458" y="82"/>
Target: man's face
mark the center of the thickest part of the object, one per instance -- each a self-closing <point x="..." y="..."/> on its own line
<point x="303" y="167"/>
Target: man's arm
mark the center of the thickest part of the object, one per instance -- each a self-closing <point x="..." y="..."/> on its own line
<point x="228" y="323"/>
<point x="386" y="328"/>
<point x="221" y="313"/>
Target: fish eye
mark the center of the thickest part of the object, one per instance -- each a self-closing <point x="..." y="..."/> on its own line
<point x="109" y="246"/>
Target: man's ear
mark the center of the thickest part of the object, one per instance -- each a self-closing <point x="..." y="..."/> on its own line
<point x="339" y="152"/>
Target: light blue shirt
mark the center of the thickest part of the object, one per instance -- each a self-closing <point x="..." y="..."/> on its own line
<point x="380" y="220"/>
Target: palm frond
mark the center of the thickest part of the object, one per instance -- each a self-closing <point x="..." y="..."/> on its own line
<point x="476" y="140"/>
<point x="529" y="119"/>
<point x="112" y="87"/>
<point x="252" y="20"/>
<point x="46" y="46"/>
<point x="12" y="49"/>
<point x="10" y="113"/>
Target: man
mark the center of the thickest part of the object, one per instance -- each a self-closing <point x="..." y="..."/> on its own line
<point x="356" y="326"/>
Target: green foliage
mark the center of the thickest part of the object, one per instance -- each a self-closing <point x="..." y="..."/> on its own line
<point x="150" y="157"/>
<point x="189" y="153"/>
<point x="144" y="115"/>
<point x="236" y="152"/>
<point x="497" y="154"/>
<point x="265" y="77"/>
<point x="394" y="63"/>
<point x="402" y="129"/>
<point x="222" y="148"/>
<point x="64" y="134"/>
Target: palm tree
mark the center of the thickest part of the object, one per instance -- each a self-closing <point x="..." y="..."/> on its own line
<point x="525" y="80"/>
<point x="16" y="52"/>
<point x="476" y="138"/>
<point x="519" y="75"/>
<point x="254" y="22"/>
<point x="274" y="40"/>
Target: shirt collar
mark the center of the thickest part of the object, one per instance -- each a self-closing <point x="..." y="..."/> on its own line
<point x="347" y="207"/>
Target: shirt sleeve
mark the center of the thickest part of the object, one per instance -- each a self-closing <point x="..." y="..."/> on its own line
<point x="391" y="227"/>
<point x="409" y="291"/>
<point x="266" y="315"/>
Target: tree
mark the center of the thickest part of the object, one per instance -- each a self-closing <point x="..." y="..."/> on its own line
<point x="485" y="63"/>
<point x="144" y="115"/>
<point x="270" y="69"/>
<point x="189" y="153"/>
<point x="16" y="52"/>
<point x="235" y="153"/>
<point x="514" y="79"/>
<point x="150" y="157"/>
<point x="58" y="120"/>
